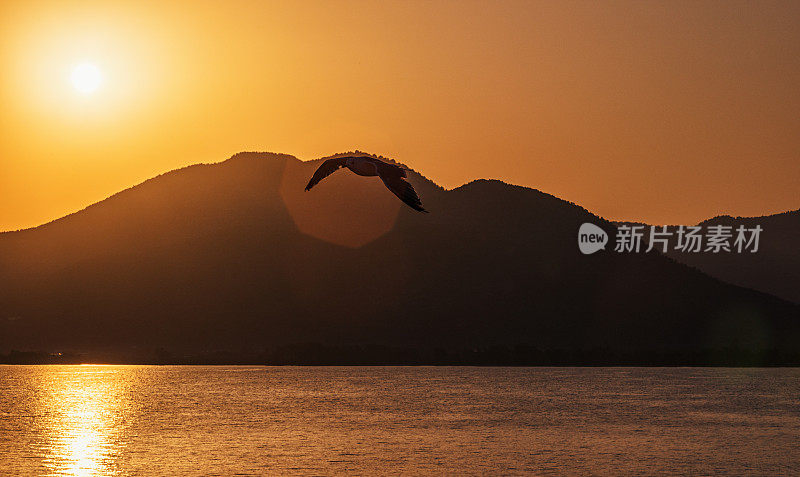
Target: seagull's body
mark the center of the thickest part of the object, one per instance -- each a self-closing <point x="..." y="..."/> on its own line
<point x="393" y="176"/>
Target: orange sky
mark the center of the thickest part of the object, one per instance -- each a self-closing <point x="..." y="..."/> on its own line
<point x="666" y="112"/>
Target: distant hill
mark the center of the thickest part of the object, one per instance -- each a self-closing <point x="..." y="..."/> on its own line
<point x="235" y="257"/>
<point x="774" y="269"/>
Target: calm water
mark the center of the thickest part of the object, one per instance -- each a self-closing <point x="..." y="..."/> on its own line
<point x="101" y="420"/>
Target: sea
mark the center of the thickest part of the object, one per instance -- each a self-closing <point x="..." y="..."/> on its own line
<point x="88" y="420"/>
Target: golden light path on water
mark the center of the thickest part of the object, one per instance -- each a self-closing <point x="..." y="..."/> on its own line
<point x="84" y="411"/>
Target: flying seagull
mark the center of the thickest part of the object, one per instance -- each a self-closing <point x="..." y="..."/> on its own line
<point x="393" y="176"/>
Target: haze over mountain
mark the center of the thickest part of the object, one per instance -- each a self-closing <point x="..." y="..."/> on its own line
<point x="236" y="256"/>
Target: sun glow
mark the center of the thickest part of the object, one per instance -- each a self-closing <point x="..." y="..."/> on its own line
<point x="86" y="78"/>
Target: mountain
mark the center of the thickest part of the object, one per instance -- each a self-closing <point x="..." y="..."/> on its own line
<point x="774" y="268"/>
<point x="235" y="257"/>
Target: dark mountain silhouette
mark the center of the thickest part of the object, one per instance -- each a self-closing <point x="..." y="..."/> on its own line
<point x="236" y="257"/>
<point x="774" y="268"/>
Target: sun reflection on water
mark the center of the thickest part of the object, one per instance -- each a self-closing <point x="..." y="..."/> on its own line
<point x="84" y="412"/>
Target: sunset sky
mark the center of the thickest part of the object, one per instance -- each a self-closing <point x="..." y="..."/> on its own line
<point x="666" y="112"/>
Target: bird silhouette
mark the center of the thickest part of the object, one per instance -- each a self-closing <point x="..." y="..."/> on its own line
<point x="393" y="176"/>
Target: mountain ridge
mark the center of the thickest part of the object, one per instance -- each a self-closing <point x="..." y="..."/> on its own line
<point x="235" y="255"/>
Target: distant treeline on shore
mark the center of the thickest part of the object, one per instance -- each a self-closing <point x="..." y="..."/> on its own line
<point x="315" y="354"/>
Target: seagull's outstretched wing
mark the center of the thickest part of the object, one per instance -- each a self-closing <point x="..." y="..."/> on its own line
<point x="394" y="178"/>
<point x="325" y="169"/>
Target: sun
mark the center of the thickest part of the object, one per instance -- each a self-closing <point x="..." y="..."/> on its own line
<point x="86" y="78"/>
